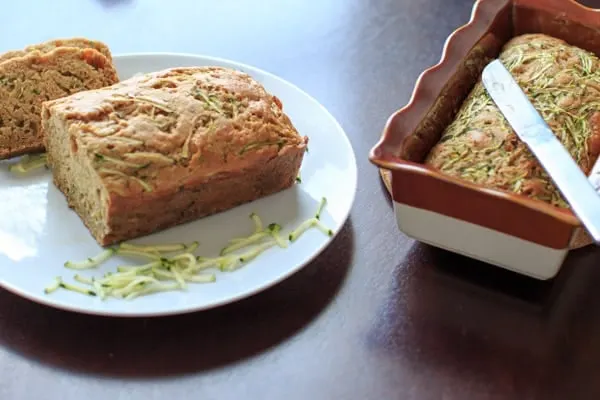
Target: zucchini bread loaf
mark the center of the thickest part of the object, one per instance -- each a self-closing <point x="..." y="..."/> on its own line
<point x="563" y="83"/>
<point x="37" y="75"/>
<point x="168" y="147"/>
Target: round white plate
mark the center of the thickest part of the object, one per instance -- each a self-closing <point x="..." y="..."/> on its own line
<point x="38" y="232"/>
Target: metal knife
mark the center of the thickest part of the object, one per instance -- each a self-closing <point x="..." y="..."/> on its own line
<point x="552" y="155"/>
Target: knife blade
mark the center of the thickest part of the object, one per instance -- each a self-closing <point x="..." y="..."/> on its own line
<point x="531" y="128"/>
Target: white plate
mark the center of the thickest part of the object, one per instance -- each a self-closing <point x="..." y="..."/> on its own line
<point x="38" y="232"/>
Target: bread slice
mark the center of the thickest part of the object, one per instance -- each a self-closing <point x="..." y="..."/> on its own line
<point x="168" y="147"/>
<point x="26" y="81"/>
<point x="50" y="45"/>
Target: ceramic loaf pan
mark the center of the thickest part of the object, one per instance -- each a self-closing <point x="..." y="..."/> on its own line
<point x="507" y="230"/>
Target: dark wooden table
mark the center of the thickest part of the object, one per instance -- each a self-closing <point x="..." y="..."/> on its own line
<point x="377" y="316"/>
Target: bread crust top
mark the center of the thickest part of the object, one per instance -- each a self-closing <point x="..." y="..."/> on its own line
<point x="40" y="60"/>
<point x="157" y="132"/>
<point x="50" y="45"/>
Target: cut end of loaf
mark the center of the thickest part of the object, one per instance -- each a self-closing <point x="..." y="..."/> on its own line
<point x="74" y="176"/>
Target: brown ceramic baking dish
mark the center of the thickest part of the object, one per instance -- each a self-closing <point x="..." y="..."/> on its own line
<point x="450" y="205"/>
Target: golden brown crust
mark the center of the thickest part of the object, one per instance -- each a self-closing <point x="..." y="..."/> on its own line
<point x="159" y="129"/>
<point x="563" y="83"/>
<point x="27" y="81"/>
<point x="50" y="45"/>
<point x="169" y="147"/>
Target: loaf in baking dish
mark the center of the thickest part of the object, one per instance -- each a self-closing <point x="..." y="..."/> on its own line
<point x="563" y="83"/>
<point x="37" y="74"/>
<point x="168" y="147"/>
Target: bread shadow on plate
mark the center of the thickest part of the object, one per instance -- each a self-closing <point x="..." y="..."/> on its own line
<point x="176" y="345"/>
<point x="458" y="317"/>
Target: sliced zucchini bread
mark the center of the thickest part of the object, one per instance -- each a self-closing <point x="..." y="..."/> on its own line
<point x="29" y="79"/>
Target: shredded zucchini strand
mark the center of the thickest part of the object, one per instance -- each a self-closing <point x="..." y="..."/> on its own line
<point x="53" y="287"/>
<point x="258" y="225"/>
<point x="156" y="288"/>
<point x="76" y="288"/>
<point x="321" y="207"/>
<point x="29" y="163"/>
<point x="323" y="228"/>
<point x="274" y="230"/>
<point x="135" y="253"/>
<point x="191" y="247"/>
<point x="91" y="262"/>
<point x="83" y="279"/>
<point x="201" y="278"/>
<point x="245" y="242"/>
<point x="296" y="233"/>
